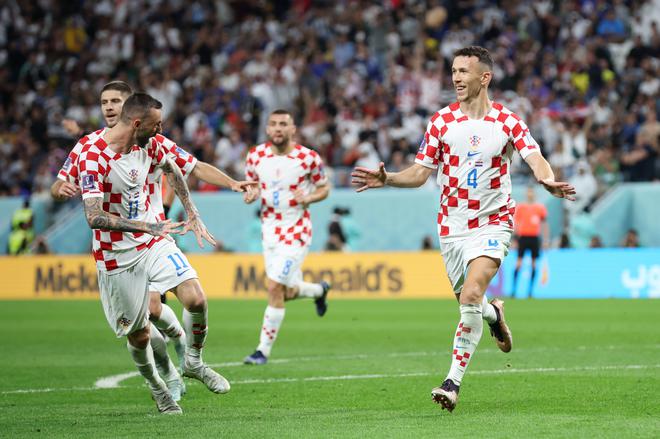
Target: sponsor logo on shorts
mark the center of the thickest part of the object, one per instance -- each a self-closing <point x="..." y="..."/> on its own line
<point x="124" y="322"/>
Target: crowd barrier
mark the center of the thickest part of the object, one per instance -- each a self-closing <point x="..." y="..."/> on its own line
<point x="566" y="273"/>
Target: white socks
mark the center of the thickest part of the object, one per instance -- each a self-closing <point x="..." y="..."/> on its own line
<point x="195" y="325"/>
<point x="308" y="289"/>
<point x="466" y="340"/>
<point x="273" y="318"/>
<point x="169" y="324"/>
<point x="166" y="369"/>
<point x="144" y="361"/>
<point x="488" y="311"/>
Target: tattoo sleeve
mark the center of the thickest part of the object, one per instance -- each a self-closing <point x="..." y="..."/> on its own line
<point x="99" y="219"/>
<point x="176" y="181"/>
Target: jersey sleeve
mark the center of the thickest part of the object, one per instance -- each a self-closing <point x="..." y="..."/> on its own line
<point x="92" y="168"/>
<point x="521" y="139"/>
<point x="316" y="171"/>
<point x="182" y="158"/>
<point x="69" y="170"/>
<point x="251" y="167"/>
<point x="429" y="152"/>
<point x="157" y="153"/>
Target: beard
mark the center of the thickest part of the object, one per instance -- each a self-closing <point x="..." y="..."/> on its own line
<point x="142" y="139"/>
<point x="283" y="142"/>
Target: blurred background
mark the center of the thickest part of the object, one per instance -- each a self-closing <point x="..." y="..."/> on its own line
<point x="362" y="78"/>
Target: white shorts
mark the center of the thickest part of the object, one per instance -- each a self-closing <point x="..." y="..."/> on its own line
<point x="125" y="295"/>
<point x="490" y="241"/>
<point x="170" y="269"/>
<point x="284" y="264"/>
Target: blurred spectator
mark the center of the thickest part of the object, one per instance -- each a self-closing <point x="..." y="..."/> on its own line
<point x="427" y="242"/>
<point x="378" y="68"/>
<point x="595" y="242"/>
<point x="586" y="188"/>
<point x="631" y="239"/>
<point x="22" y="233"/>
<point x="41" y="246"/>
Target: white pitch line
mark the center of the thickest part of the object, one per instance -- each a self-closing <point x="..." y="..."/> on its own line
<point x="384" y="376"/>
<point x="114" y="381"/>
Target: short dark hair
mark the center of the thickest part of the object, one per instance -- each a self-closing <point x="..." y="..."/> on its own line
<point x="479" y="52"/>
<point x="281" y="111"/>
<point x="119" y="86"/>
<point x="138" y="105"/>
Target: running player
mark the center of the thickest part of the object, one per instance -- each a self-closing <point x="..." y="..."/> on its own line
<point x="113" y="96"/>
<point x="128" y="244"/>
<point x="291" y="178"/>
<point x="471" y="143"/>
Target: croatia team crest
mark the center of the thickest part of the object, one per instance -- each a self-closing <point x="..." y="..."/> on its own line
<point x="133" y="175"/>
<point x="474" y="142"/>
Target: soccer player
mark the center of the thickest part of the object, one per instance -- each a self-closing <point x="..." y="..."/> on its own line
<point x="290" y="178"/>
<point x="471" y="143"/>
<point x="128" y="244"/>
<point x="113" y="96"/>
<point x="529" y="220"/>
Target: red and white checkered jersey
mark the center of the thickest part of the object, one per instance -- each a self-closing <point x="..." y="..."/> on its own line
<point x="475" y="160"/>
<point x="120" y="179"/>
<point x="69" y="170"/>
<point x="182" y="158"/>
<point x="284" y="221"/>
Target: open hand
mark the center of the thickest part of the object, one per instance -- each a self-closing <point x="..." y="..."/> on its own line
<point x="197" y="226"/>
<point x="369" y="178"/>
<point x="559" y="189"/>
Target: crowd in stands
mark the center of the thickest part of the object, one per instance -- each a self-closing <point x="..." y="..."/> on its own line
<point x="362" y="77"/>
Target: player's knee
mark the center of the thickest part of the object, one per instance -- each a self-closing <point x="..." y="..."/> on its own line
<point x="290" y="293"/>
<point x="139" y="338"/>
<point x="276" y="294"/>
<point x="191" y="295"/>
<point x="471" y="293"/>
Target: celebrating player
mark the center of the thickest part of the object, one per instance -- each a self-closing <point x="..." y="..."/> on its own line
<point x="113" y="96"/>
<point x="472" y="140"/>
<point x="291" y="178"/>
<point x="113" y="170"/>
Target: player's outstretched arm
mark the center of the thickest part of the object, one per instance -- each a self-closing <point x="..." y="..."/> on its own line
<point x="100" y="219"/>
<point x="413" y="176"/>
<point x="215" y="176"/>
<point x="544" y="175"/>
<point x="194" y="223"/>
<point x="62" y="190"/>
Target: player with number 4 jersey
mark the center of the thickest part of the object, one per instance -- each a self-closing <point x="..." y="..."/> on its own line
<point x="471" y="143"/>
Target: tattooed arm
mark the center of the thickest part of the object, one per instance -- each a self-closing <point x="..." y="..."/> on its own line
<point x="100" y="219"/>
<point x="176" y="181"/>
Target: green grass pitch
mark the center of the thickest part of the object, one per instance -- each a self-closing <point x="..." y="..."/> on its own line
<point x="578" y="369"/>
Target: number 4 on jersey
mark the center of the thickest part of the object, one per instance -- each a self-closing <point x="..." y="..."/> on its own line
<point x="472" y="178"/>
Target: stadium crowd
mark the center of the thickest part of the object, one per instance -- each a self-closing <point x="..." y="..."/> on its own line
<point x="362" y="76"/>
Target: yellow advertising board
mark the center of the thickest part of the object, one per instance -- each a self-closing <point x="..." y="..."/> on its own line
<point x="353" y="275"/>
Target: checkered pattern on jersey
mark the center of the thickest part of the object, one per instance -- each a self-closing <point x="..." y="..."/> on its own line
<point x="182" y="158"/>
<point x="288" y="223"/>
<point x="114" y="250"/>
<point x="462" y="206"/>
<point x="69" y="170"/>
